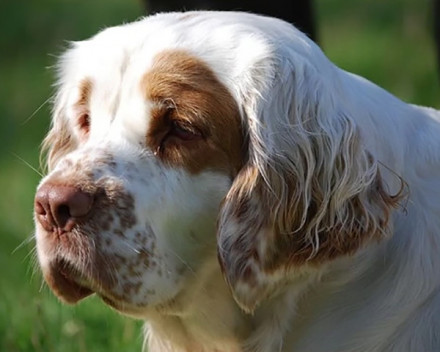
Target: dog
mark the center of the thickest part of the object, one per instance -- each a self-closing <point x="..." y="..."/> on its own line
<point x="216" y="175"/>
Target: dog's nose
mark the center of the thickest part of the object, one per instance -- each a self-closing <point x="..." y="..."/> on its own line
<point x="59" y="207"/>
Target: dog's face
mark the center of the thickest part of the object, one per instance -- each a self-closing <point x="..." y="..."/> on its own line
<point x="143" y="149"/>
<point x="186" y="137"/>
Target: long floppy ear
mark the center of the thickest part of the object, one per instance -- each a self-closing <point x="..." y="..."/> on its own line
<point x="309" y="192"/>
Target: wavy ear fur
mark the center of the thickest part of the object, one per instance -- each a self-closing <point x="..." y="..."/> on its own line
<point x="309" y="192"/>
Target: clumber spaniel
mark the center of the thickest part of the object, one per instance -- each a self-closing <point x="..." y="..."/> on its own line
<point x="216" y="175"/>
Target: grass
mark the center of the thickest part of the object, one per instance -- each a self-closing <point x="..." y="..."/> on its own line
<point x="387" y="42"/>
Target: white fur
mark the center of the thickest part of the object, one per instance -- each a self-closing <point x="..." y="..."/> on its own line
<point x="307" y="119"/>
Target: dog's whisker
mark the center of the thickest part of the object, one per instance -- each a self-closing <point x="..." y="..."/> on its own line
<point x="24" y="243"/>
<point x="27" y="164"/>
<point x="36" y="111"/>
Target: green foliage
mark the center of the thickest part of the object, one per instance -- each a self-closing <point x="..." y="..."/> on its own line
<point x="389" y="42"/>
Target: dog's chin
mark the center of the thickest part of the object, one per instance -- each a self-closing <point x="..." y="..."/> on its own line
<point x="66" y="282"/>
<point x="125" y="308"/>
<point x="72" y="286"/>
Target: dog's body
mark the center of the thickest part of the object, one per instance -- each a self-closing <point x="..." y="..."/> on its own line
<point x="322" y="188"/>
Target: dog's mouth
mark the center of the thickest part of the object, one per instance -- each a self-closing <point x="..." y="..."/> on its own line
<point x="71" y="286"/>
<point x="67" y="282"/>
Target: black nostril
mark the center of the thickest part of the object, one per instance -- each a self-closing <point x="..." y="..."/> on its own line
<point x="62" y="215"/>
<point x="60" y="207"/>
<point x="64" y="210"/>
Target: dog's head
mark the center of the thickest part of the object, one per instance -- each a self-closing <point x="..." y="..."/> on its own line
<point x="183" y="137"/>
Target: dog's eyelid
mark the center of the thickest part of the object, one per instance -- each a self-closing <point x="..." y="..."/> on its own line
<point x="185" y="130"/>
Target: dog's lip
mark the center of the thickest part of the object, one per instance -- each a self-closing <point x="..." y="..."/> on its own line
<point x="71" y="286"/>
<point x="66" y="282"/>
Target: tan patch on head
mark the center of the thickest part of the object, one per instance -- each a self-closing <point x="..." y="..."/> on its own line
<point x="82" y="109"/>
<point x="184" y="89"/>
<point x="85" y="88"/>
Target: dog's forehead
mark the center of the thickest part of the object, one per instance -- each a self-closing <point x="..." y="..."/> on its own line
<point x="229" y="46"/>
<point x="114" y="63"/>
<point x="131" y="46"/>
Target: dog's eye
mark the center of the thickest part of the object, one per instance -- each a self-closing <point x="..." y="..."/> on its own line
<point x="84" y="122"/>
<point x="179" y="133"/>
<point x="184" y="131"/>
<point x="174" y="131"/>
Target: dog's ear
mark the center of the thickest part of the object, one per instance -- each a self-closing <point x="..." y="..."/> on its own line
<point x="309" y="191"/>
<point x="60" y="140"/>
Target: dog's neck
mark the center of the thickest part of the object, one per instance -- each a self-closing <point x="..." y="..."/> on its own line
<point x="202" y="318"/>
<point x="205" y="318"/>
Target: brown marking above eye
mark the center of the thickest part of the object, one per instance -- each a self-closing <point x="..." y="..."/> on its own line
<point x="194" y="122"/>
<point x="81" y="106"/>
<point x="85" y="89"/>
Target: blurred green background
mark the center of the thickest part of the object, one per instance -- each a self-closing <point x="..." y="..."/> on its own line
<point x="388" y="42"/>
